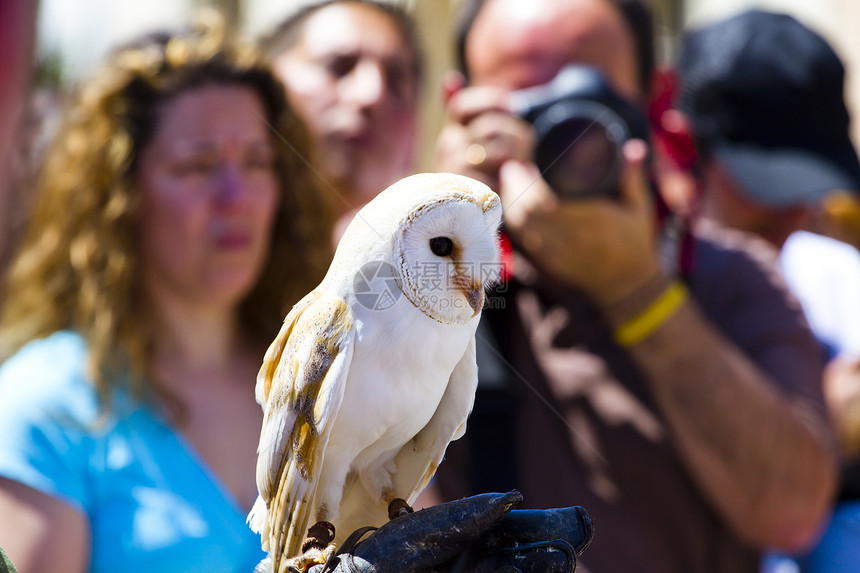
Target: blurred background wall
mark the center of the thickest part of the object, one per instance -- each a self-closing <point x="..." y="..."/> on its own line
<point x="75" y="34"/>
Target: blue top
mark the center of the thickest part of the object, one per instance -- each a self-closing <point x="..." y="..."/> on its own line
<point x="152" y="503"/>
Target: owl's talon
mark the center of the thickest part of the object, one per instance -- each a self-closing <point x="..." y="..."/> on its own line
<point x="317" y="547"/>
<point x="398" y="507"/>
<point x="320" y="534"/>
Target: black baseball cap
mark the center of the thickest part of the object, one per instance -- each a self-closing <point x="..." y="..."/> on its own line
<point x="765" y="94"/>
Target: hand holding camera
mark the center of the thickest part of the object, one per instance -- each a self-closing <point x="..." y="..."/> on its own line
<point x="605" y="247"/>
<point x="481" y="133"/>
<point x="580" y="125"/>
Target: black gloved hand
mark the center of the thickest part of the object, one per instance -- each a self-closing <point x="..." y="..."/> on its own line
<point x="477" y="534"/>
<point x="539" y="541"/>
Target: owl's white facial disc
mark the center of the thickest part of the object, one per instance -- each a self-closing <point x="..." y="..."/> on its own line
<point x="447" y="254"/>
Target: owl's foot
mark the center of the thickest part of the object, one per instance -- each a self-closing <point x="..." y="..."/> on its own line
<point x="320" y="534"/>
<point x="317" y="547"/>
<point x="398" y="507"/>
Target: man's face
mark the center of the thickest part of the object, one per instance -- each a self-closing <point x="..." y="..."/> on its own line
<point x="352" y="79"/>
<point x="724" y="200"/>
<point x="516" y="44"/>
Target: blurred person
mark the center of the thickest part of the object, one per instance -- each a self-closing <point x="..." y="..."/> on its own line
<point x="172" y="229"/>
<point x="353" y="71"/>
<point x="17" y="38"/>
<point x="763" y="98"/>
<point x="668" y="385"/>
<point x="34" y="131"/>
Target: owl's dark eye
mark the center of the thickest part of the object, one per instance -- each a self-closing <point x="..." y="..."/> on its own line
<point x="441" y="246"/>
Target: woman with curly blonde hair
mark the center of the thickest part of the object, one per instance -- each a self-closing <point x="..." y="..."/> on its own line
<point x="176" y="222"/>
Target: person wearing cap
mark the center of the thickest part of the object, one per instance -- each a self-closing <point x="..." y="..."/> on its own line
<point x="674" y="394"/>
<point x="762" y="97"/>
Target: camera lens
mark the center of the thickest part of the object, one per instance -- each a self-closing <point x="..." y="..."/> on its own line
<point x="579" y="148"/>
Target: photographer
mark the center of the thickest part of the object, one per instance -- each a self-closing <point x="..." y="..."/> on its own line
<point x="662" y="381"/>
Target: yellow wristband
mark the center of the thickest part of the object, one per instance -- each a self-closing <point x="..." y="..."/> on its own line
<point x="653" y="317"/>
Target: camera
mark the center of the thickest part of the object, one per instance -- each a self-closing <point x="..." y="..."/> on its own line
<point x="581" y="125"/>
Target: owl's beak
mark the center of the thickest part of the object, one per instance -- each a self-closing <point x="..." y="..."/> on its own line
<point x="472" y="289"/>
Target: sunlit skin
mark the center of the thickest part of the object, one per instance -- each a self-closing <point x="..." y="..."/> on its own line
<point x="351" y="77"/>
<point x="544" y="36"/>
<point x="209" y="194"/>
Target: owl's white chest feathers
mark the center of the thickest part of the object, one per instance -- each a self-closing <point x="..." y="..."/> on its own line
<point x="399" y="372"/>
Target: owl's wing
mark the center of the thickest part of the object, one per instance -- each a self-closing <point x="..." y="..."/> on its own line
<point x="418" y="460"/>
<point x="300" y="387"/>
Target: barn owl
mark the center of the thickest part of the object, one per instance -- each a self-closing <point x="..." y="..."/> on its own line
<point x="373" y="373"/>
